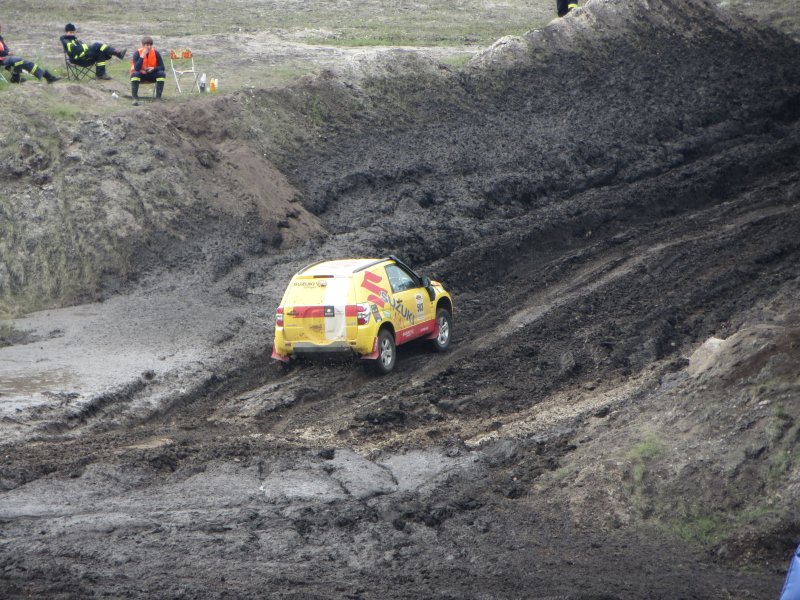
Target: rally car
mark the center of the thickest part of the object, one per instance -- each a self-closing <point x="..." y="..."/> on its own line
<point x="361" y="306"/>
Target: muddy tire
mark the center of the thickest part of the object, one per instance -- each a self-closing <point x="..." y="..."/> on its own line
<point x="445" y="325"/>
<point x="387" y="353"/>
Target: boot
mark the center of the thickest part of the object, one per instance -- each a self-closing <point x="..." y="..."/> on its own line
<point x="135" y="92"/>
<point x="100" y="72"/>
<point x="121" y="53"/>
<point x="14" y="77"/>
<point x="50" y="78"/>
<point x="159" y="89"/>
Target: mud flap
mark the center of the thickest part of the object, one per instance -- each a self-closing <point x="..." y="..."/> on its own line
<point x="374" y="354"/>
<point x="280" y="357"/>
<point x="433" y="334"/>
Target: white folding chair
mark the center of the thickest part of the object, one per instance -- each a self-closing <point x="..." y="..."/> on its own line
<point x="3" y="77"/>
<point x="182" y="63"/>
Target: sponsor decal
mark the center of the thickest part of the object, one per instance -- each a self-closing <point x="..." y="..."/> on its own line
<point x="315" y="312"/>
<point x="420" y="307"/>
<point x="370" y="283"/>
<point x="310" y="284"/>
<point x="380" y="297"/>
<point x="416" y="331"/>
<point x="397" y="305"/>
<point x="376" y="313"/>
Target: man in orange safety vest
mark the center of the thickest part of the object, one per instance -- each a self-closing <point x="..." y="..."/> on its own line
<point x="147" y="66"/>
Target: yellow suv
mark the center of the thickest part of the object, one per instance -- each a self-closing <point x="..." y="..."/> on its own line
<point x="364" y="306"/>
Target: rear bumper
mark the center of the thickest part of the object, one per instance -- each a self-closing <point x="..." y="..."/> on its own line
<point x="311" y="349"/>
<point x="363" y="345"/>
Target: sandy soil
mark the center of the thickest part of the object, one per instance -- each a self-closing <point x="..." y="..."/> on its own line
<point x="613" y="201"/>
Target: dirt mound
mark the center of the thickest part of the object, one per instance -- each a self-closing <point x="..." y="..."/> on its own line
<point x="98" y="202"/>
<point x="613" y="200"/>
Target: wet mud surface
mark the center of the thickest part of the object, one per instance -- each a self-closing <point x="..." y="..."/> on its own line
<point x="613" y="202"/>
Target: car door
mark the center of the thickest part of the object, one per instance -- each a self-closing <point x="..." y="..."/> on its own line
<point x="412" y="309"/>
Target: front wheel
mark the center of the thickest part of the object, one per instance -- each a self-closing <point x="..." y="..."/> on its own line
<point x="387" y="353"/>
<point x="444" y="323"/>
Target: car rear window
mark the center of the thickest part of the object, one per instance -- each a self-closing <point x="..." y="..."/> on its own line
<point x="318" y="291"/>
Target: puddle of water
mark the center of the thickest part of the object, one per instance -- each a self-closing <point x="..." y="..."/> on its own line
<point x="24" y="383"/>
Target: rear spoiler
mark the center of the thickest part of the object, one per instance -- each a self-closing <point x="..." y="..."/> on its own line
<point x="368" y="265"/>
<point x="396" y="260"/>
<point x="307" y="267"/>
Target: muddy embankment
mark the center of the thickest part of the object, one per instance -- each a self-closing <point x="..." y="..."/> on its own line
<point x="613" y="201"/>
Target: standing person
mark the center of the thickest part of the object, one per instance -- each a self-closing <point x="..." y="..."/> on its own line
<point x="147" y="65"/>
<point x="564" y="6"/>
<point x="86" y="55"/>
<point x="16" y="65"/>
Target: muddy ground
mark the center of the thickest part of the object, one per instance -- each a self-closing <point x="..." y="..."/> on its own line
<point x="613" y="200"/>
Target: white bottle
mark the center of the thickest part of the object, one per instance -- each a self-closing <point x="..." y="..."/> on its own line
<point x="203" y="82"/>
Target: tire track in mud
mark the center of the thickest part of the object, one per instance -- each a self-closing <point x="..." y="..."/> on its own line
<point x="319" y="403"/>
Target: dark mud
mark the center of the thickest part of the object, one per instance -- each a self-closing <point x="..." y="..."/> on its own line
<point x="613" y="201"/>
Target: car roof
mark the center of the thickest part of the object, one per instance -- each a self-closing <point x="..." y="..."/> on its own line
<point x="340" y="268"/>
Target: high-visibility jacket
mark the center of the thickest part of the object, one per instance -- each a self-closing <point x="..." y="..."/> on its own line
<point x="74" y="48"/>
<point x="148" y="60"/>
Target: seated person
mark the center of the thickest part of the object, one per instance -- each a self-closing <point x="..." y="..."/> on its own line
<point x="565" y="6"/>
<point x="147" y="65"/>
<point x="86" y="55"/>
<point x="16" y="65"/>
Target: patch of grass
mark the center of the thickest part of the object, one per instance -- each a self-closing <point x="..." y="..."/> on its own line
<point x="702" y="529"/>
<point x="780" y="464"/>
<point x="371" y="36"/>
<point x="780" y="422"/>
<point x="646" y="450"/>
<point x="640" y="459"/>
<point x="563" y="473"/>
<point x="711" y="529"/>
<point x="456" y="60"/>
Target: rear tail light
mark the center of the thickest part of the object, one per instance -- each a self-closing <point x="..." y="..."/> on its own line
<point x="279" y="317"/>
<point x="362" y="313"/>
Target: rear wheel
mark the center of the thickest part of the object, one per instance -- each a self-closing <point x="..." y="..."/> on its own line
<point x="387" y="353"/>
<point x="444" y="323"/>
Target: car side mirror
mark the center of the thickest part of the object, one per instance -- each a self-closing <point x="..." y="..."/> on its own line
<point x="426" y="283"/>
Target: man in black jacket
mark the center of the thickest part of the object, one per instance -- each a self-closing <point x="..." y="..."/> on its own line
<point x="88" y="54"/>
<point x="16" y="65"/>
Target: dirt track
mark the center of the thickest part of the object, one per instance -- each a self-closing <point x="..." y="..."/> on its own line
<point x="613" y="201"/>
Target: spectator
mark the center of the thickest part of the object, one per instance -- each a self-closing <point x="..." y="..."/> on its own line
<point x="86" y="55"/>
<point x="16" y="65"/>
<point x="564" y="6"/>
<point x="148" y="66"/>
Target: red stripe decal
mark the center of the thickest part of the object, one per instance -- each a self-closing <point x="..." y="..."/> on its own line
<point x="369" y="284"/>
<point x="412" y="333"/>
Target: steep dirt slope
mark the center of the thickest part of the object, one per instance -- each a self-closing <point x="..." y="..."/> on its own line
<point x="613" y="201"/>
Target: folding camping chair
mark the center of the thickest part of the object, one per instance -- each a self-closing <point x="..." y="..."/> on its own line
<point x="77" y="72"/>
<point x="146" y="84"/>
<point x="3" y="77"/>
<point x="182" y="63"/>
